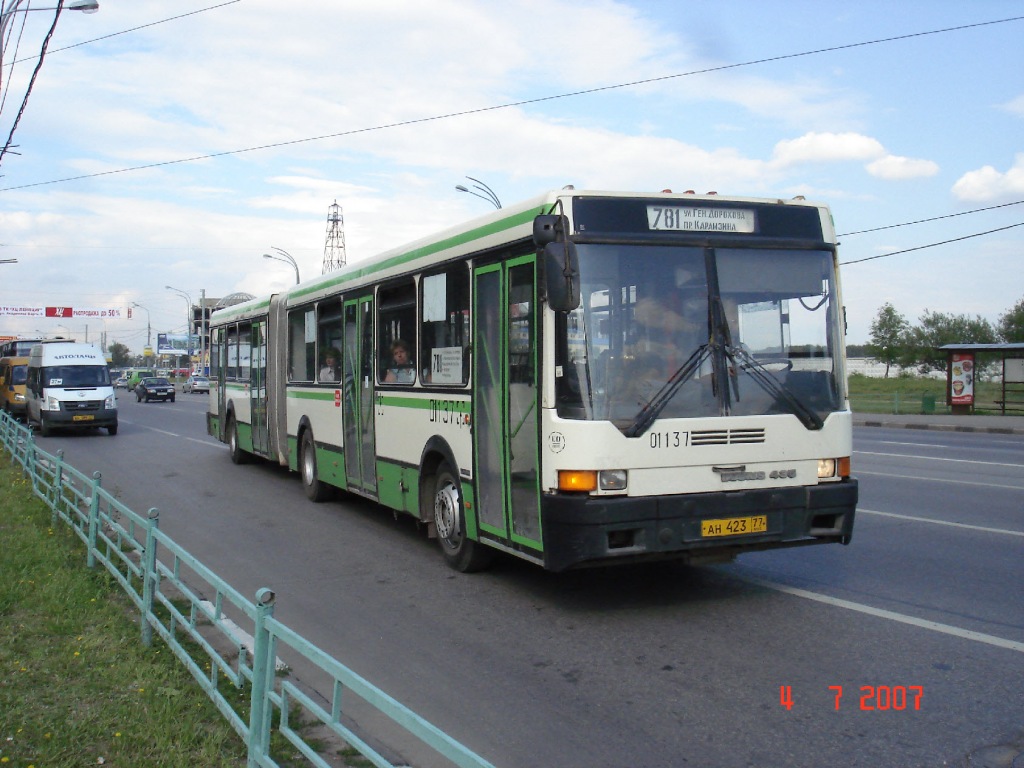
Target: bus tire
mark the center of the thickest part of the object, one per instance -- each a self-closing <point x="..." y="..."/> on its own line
<point x="238" y="456"/>
<point x="316" y="490"/>
<point x="112" y="429"/>
<point x="460" y="552"/>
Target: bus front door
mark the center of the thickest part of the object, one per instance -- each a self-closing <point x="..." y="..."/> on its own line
<point x="505" y="402"/>
<point x="357" y="398"/>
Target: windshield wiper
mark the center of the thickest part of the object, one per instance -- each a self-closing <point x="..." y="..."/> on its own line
<point x="650" y="412"/>
<point x="773" y="386"/>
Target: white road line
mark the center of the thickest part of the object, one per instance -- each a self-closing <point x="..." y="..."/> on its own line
<point x="940" y="480"/>
<point x="934" y="626"/>
<point x="913" y="445"/>
<point x="1002" y="531"/>
<point x="939" y="458"/>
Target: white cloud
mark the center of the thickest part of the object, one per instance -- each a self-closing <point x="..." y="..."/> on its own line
<point x="894" y="167"/>
<point x="1014" y="106"/>
<point x="987" y="184"/>
<point x="816" y="147"/>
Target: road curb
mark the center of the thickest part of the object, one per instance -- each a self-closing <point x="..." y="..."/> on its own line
<point x="939" y="427"/>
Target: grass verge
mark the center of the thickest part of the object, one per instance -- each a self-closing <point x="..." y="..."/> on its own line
<point x="77" y="687"/>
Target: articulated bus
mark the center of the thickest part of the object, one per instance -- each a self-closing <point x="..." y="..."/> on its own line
<point x="581" y="379"/>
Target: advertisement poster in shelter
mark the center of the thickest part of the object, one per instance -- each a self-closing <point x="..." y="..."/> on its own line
<point x="961" y="381"/>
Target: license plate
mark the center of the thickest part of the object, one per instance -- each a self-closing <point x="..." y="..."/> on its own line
<point x="82" y="417"/>
<point x="734" y="526"/>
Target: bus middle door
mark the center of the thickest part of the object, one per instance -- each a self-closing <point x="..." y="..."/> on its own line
<point x="357" y="395"/>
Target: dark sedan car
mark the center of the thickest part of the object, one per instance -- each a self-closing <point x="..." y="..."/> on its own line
<point x="154" y="389"/>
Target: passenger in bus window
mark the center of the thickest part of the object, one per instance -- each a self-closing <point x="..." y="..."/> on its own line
<point x="330" y="371"/>
<point x="401" y="370"/>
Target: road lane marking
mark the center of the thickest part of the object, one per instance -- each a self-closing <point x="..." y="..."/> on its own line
<point x="954" y="481"/>
<point x="1002" y="531"/>
<point x="939" y="458"/>
<point x="915" y="445"/>
<point x="934" y="626"/>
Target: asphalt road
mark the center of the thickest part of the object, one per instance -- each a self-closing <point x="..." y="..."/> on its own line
<point x="904" y="649"/>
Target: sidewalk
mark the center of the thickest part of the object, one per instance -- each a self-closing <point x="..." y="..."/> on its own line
<point x="1004" y="425"/>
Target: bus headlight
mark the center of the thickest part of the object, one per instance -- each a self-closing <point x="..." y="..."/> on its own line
<point x="52" y="404"/>
<point x="612" y="479"/>
<point x="110" y="403"/>
<point x="831" y="468"/>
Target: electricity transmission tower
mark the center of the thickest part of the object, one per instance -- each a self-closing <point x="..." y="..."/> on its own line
<point x="334" y="248"/>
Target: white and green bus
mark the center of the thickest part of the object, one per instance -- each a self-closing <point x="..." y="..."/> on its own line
<point x="584" y="378"/>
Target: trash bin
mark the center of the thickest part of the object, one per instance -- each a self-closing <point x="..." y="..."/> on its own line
<point x="927" y="403"/>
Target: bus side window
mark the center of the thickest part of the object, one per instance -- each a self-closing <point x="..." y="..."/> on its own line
<point x="444" y="327"/>
<point x="396" y="322"/>
<point x="232" y="352"/>
<point x="302" y="344"/>
<point x="329" y="341"/>
<point x="244" y="352"/>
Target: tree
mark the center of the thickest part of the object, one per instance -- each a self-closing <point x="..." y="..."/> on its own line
<point x="889" y="332"/>
<point x="936" y="330"/>
<point x="119" y="355"/>
<point x="1011" y="324"/>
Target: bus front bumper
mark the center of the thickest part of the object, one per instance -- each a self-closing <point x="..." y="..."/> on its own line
<point x="583" y="530"/>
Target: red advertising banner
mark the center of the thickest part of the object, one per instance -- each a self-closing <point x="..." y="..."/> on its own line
<point x="104" y="313"/>
<point x="961" y="382"/>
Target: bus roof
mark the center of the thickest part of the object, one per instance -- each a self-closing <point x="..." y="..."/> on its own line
<point x="505" y="225"/>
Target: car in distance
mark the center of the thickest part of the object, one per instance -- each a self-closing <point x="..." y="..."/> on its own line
<point x="196" y="384"/>
<point x="121" y="382"/>
<point x="154" y="388"/>
<point x="138" y="375"/>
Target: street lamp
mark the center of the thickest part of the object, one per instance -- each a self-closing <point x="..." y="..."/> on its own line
<point x="188" y="318"/>
<point x="85" y="6"/>
<point x="488" y="193"/>
<point x="286" y="258"/>
<point x="7" y="12"/>
<point x="149" y="335"/>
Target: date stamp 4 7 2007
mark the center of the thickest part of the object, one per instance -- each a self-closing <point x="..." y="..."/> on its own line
<point x="872" y="697"/>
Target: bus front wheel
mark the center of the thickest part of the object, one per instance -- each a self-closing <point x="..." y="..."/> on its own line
<point x="460" y="552"/>
<point x="316" y="490"/>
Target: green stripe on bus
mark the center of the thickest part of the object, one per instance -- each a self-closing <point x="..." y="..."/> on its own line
<point x="327" y="394"/>
<point x="425" y="403"/>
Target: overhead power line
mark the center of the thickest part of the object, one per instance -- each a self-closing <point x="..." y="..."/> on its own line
<point x="930" y="245"/>
<point x="509" y="105"/>
<point x="933" y="218"/>
<point x="126" y="31"/>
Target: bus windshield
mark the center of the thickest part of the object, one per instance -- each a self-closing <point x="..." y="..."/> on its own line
<point x="670" y="332"/>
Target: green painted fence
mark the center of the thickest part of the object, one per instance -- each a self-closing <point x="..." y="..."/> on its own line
<point x="220" y="635"/>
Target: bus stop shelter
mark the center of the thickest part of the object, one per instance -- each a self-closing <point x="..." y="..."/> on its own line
<point x="961" y="362"/>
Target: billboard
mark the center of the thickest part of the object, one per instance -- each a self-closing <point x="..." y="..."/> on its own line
<point x="176" y="344"/>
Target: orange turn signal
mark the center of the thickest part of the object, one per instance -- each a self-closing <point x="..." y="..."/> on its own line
<point x="844" y="467"/>
<point x="577" y="480"/>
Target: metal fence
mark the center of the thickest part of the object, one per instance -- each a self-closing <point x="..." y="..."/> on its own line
<point x="227" y="642"/>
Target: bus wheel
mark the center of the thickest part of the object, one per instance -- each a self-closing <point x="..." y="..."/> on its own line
<point x="315" y="489"/>
<point x="238" y="456"/>
<point x="461" y="553"/>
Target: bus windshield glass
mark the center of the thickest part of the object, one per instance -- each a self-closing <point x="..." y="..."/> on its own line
<point x="672" y="332"/>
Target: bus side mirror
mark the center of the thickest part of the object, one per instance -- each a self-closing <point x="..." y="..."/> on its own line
<point x="562" y="275"/>
<point x="549" y="229"/>
<point x="561" y="263"/>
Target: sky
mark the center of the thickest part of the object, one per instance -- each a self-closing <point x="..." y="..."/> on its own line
<point x="173" y="144"/>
